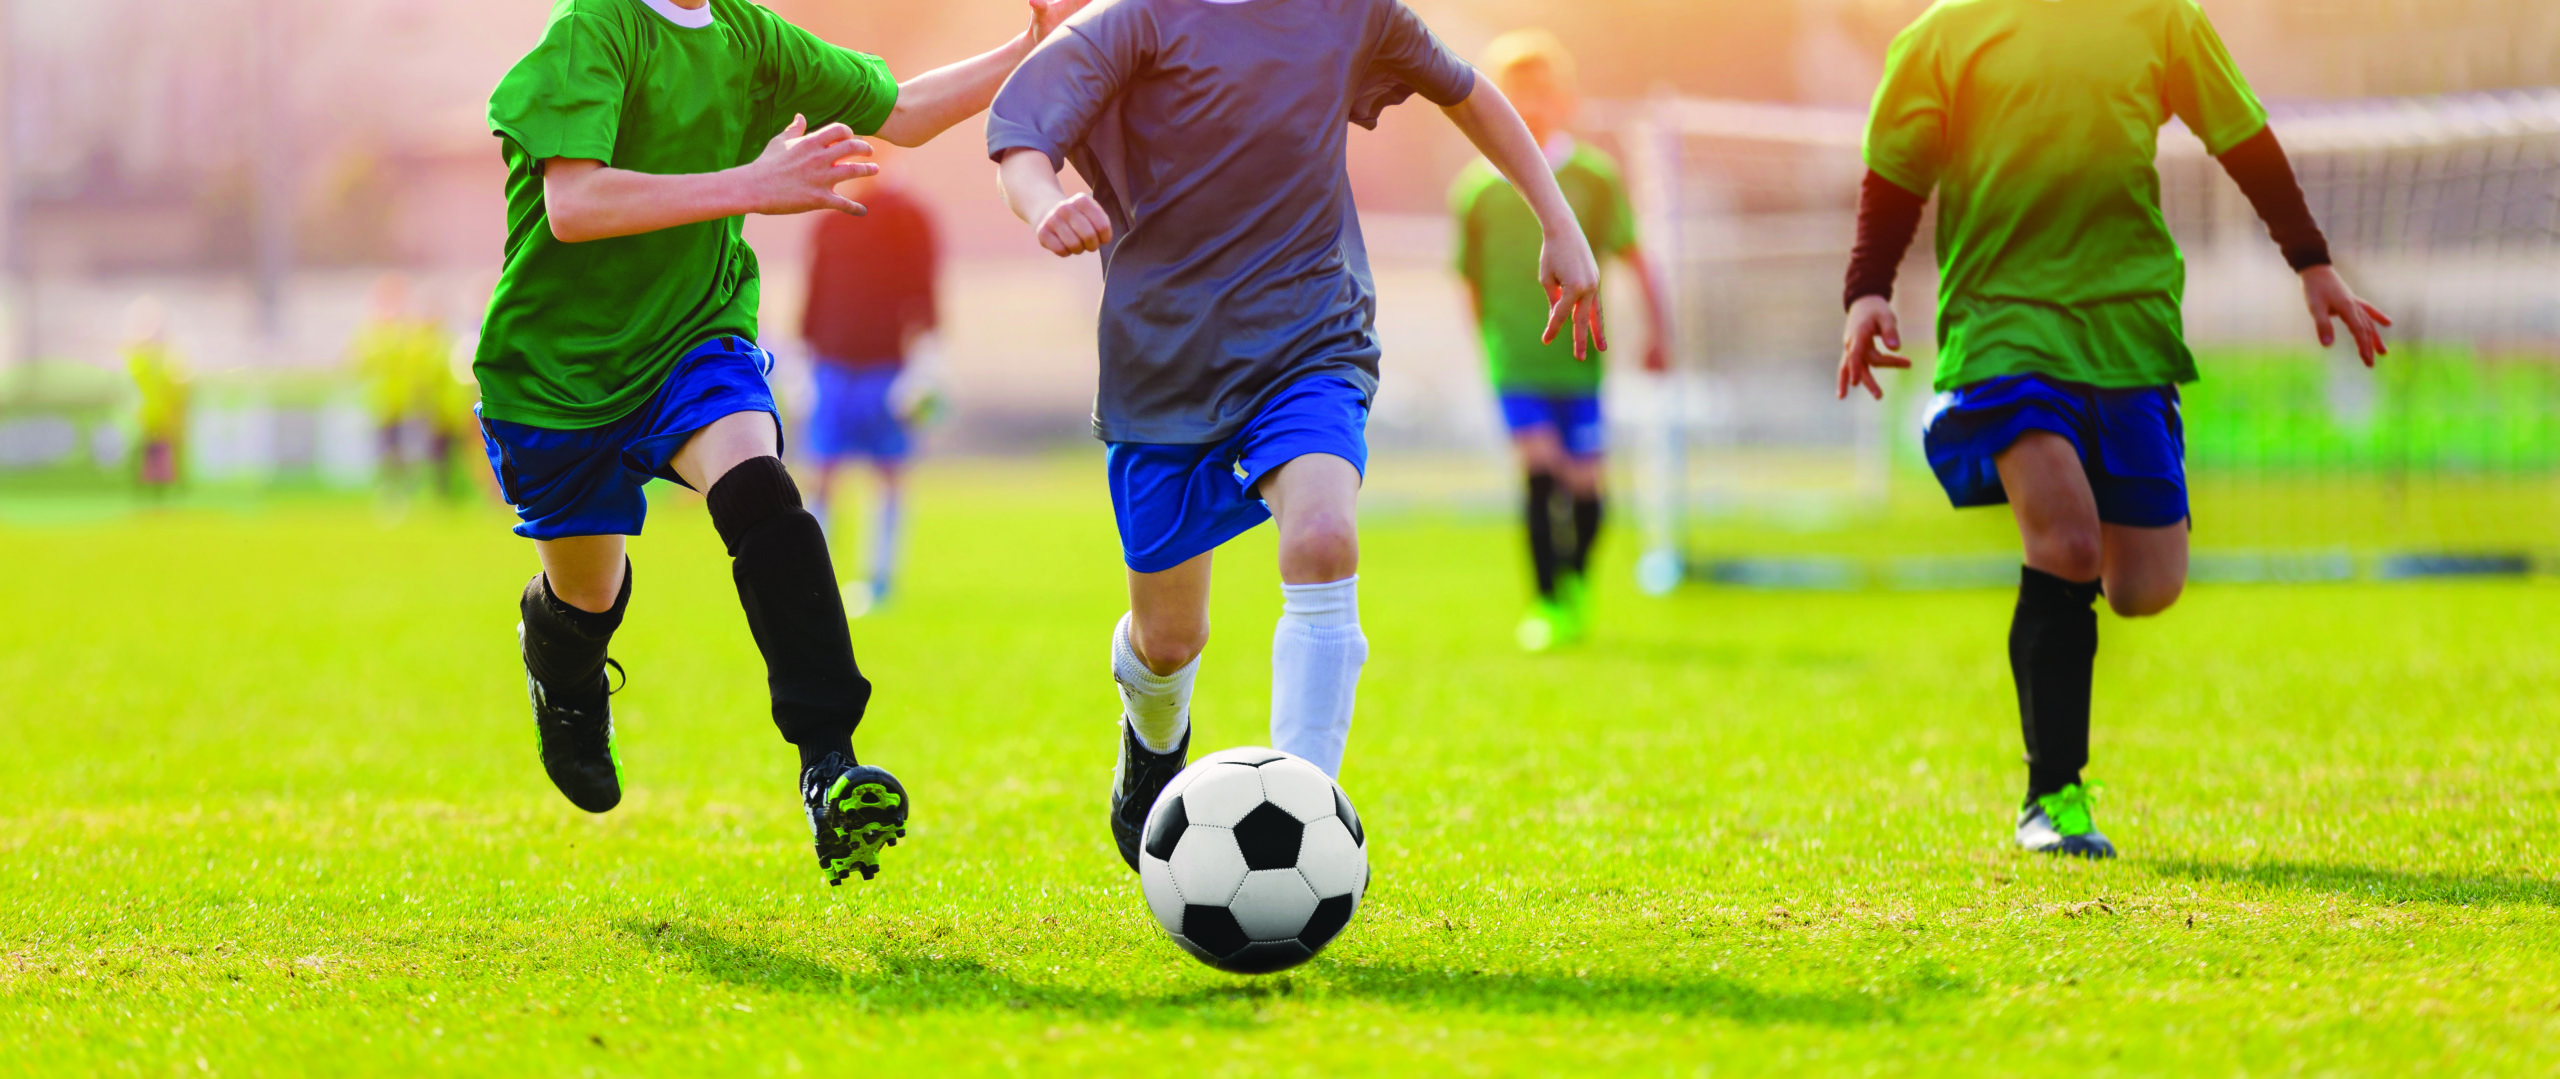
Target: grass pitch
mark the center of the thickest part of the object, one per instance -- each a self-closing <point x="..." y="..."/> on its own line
<point x="272" y="807"/>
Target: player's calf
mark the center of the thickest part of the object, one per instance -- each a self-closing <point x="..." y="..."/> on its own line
<point x="787" y="587"/>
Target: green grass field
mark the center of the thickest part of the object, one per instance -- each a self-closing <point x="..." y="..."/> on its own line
<point x="272" y="808"/>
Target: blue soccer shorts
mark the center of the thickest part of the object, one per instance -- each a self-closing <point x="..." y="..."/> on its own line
<point x="588" y="481"/>
<point x="1177" y="502"/>
<point x="1574" y="417"/>
<point x="853" y="415"/>
<point x="2132" y="442"/>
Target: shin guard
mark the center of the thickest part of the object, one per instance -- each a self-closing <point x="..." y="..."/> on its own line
<point x="787" y="585"/>
<point x="2053" y="648"/>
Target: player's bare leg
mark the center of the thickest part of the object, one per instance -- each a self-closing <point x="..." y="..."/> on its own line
<point x="888" y="510"/>
<point x="586" y="572"/>
<point x="2145" y="568"/>
<point x="1317" y="650"/>
<point x="2053" y="638"/>
<point x="1155" y="655"/>
<point x="787" y="586"/>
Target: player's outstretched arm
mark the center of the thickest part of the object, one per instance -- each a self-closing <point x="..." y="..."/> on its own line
<point x="929" y="104"/>
<point x="1888" y="220"/>
<point x="1657" y="353"/>
<point x="1567" y="268"/>
<point x="1069" y="225"/>
<point x="2332" y="302"/>
<point x="798" y="172"/>
<point x="2259" y="166"/>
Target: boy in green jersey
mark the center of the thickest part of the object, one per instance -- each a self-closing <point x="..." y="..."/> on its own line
<point x="1550" y="400"/>
<point x="2060" y="342"/>
<point x="620" y="347"/>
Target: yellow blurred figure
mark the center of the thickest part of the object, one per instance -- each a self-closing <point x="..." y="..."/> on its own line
<point x="160" y="380"/>
<point x="403" y="360"/>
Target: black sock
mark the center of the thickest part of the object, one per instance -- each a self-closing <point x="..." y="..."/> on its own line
<point x="565" y="646"/>
<point x="787" y="584"/>
<point x="2053" y="644"/>
<point x="1587" y="512"/>
<point x="1540" y="515"/>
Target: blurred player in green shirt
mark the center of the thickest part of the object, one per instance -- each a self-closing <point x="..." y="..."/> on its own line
<point x="620" y="347"/>
<point x="2060" y="338"/>
<point x="1550" y="400"/>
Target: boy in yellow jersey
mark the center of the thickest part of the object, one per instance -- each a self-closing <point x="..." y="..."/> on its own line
<point x="1550" y="400"/>
<point x="160" y="381"/>
<point x="401" y="358"/>
<point x="2060" y="341"/>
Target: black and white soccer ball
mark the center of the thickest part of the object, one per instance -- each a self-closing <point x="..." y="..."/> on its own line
<point x="1253" y="860"/>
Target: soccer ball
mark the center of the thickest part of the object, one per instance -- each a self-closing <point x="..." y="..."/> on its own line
<point x="1253" y="860"/>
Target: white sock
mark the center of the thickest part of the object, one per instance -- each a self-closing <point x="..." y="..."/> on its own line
<point x="1157" y="706"/>
<point x="884" y="541"/>
<point x="1316" y="655"/>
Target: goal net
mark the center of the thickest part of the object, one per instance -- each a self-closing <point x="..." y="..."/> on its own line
<point x="2304" y="465"/>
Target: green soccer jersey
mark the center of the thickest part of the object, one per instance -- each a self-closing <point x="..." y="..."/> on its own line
<point x="2037" y="122"/>
<point x="1498" y="246"/>
<point x="578" y="335"/>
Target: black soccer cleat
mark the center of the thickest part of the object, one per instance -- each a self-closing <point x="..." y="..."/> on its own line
<point x="573" y="726"/>
<point x="855" y="811"/>
<point x="1136" y="782"/>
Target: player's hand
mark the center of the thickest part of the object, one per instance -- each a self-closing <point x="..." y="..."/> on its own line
<point x="1075" y="226"/>
<point x="1572" y="280"/>
<point x="1657" y="354"/>
<point x="1046" y="15"/>
<point x="1871" y="320"/>
<point x="2332" y="302"/>
<point x="799" y="170"/>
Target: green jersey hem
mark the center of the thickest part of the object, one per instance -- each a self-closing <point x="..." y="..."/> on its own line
<point x="539" y="151"/>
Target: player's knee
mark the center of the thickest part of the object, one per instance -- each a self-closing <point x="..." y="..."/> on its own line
<point x="1583" y="480"/>
<point x="2144" y="599"/>
<point x="1325" y="549"/>
<point x="2072" y="554"/>
<point x="1168" y="649"/>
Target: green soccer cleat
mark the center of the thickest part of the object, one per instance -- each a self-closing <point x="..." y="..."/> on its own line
<point x="1573" y="604"/>
<point x="855" y="811"/>
<point x="2059" y="823"/>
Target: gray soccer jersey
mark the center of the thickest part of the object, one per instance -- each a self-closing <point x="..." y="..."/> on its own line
<point x="1213" y="134"/>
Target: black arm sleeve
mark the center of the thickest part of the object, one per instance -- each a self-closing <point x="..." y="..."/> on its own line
<point x="1888" y="219"/>
<point x="2259" y="166"/>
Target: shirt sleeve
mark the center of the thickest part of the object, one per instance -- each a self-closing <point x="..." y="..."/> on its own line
<point x="564" y="99"/>
<point x="1051" y="102"/>
<point x="1906" y="139"/>
<point x="2205" y="88"/>
<point x="808" y="76"/>
<point x="1409" y="59"/>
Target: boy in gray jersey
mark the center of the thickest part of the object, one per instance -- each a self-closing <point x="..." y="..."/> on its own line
<point x="1238" y="346"/>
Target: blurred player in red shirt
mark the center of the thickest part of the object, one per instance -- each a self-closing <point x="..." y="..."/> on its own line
<point x="871" y="298"/>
